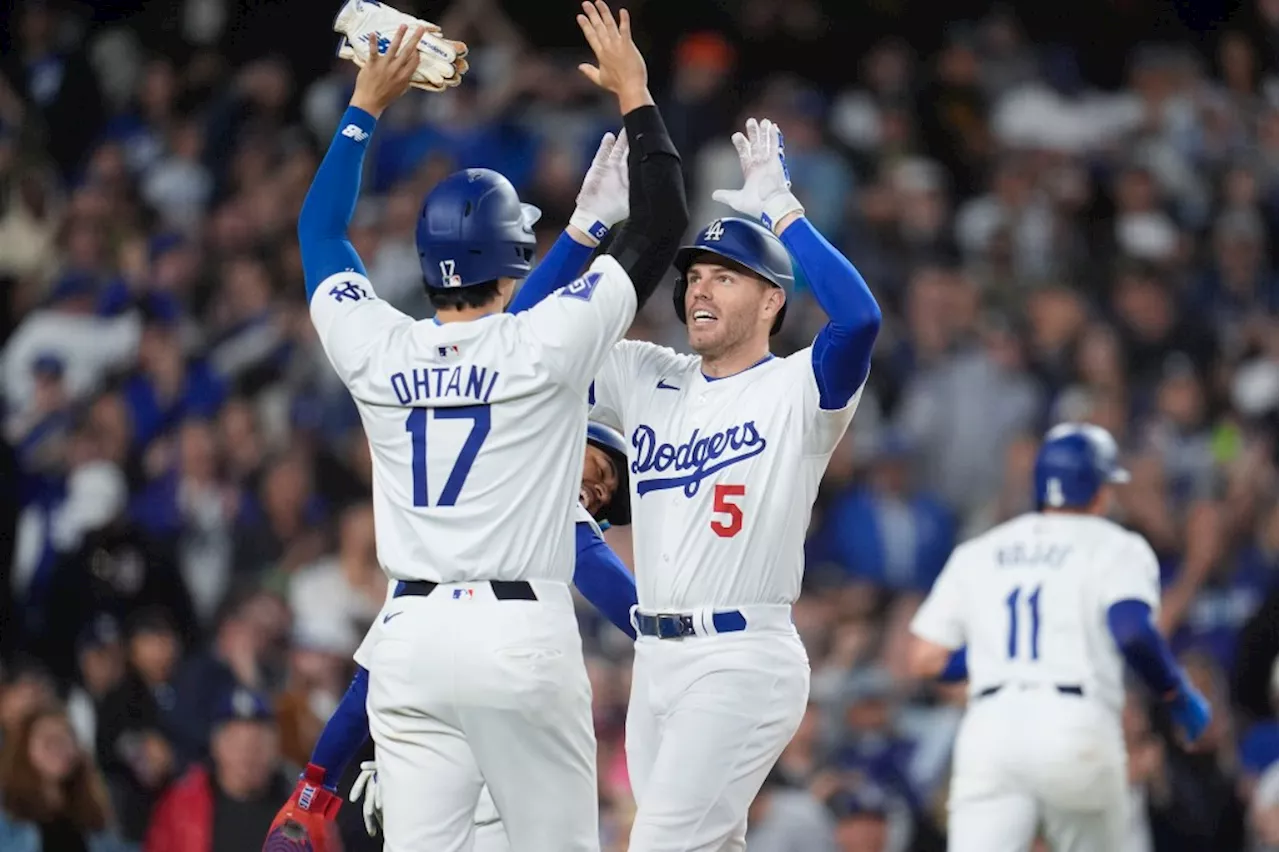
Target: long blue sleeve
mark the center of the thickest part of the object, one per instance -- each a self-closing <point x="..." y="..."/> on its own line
<point x="842" y="349"/>
<point x="603" y="580"/>
<point x="345" y="732"/>
<point x="1143" y="648"/>
<point x="562" y="264"/>
<point x="327" y="210"/>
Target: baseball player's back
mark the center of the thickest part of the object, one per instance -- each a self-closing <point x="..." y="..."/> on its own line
<point x="466" y="421"/>
<point x="1029" y="599"/>
<point x="476" y="426"/>
<point x="1045" y="610"/>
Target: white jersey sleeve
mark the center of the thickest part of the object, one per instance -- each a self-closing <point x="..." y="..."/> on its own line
<point x="352" y="321"/>
<point x="823" y="427"/>
<point x="941" y="617"/>
<point x="631" y="367"/>
<point x="575" y="326"/>
<point x="1132" y="573"/>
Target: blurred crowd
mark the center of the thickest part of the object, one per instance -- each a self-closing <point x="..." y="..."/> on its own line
<point x="185" y="483"/>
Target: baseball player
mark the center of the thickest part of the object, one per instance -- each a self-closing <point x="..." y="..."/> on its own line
<point x="599" y="575"/>
<point x="726" y="450"/>
<point x="475" y="423"/>
<point x="1046" y="609"/>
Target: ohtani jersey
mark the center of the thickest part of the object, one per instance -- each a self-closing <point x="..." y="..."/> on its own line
<point x="476" y="428"/>
<point x="1029" y="599"/>
<point x="724" y="472"/>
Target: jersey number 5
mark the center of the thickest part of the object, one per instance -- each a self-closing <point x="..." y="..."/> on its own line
<point x="416" y="426"/>
<point x="1033" y="610"/>
<point x="723" y="505"/>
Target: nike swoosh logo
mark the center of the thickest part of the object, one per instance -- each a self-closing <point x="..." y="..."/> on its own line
<point x="662" y="385"/>
<point x="390" y="616"/>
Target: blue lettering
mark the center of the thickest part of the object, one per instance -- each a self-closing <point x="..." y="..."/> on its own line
<point x="421" y="385"/>
<point x="696" y="458"/>
<point x="439" y="374"/>
<point x="401" y="387"/>
<point x="493" y="380"/>
<point x="454" y="388"/>
<point x="475" y="382"/>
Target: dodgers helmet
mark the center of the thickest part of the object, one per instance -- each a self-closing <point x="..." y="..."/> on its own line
<point x="474" y="229"/>
<point x="746" y="243"/>
<point x="618" y="510"/>
<point x="1075" y="461"/>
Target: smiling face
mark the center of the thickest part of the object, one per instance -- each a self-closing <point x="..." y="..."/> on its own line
<point x="599" y="479"/>
<point x="727" y="307"/>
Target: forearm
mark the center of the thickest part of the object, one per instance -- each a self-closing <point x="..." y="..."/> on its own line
<point x="345" y="732"/>
<point x="659" y="214"/>
<point x="331" y="201"/>
<point x="1142" y="646"/>
<point x="842" y="349"/>
<point x="603" y="580"/>
<point x="561" y="265"/>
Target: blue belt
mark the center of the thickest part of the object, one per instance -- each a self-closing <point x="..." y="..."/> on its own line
<point x="666" y="625"/>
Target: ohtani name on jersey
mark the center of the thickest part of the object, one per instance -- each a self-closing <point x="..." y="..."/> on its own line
<point x="424" y="383"/>
<point x="695" y="459"/>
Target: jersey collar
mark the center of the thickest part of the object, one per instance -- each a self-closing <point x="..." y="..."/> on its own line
<point x="766" y="359"/>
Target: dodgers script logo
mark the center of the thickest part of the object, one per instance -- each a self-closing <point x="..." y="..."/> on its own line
<point x="695" y="459"/>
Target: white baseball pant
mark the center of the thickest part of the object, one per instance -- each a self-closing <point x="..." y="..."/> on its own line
<point x="708" y="718"/>
<point x="466" y="690"/>
<point x="1029" y="758"/>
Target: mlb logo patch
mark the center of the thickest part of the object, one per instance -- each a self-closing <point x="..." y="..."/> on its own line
<point x="446" y="351"/>
<point x="583" y="287"/>
<point x="463" y="594"/>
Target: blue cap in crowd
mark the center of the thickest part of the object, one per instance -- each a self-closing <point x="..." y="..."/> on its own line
<point x="243" y="705"/>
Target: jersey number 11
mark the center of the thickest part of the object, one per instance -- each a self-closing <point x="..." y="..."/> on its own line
<point x="1033" y="610"/>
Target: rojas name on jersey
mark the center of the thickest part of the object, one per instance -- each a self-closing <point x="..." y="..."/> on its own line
<point x="693" y="460"/>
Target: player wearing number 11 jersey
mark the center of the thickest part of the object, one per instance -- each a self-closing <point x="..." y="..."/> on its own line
<point x="1048" y="607"/>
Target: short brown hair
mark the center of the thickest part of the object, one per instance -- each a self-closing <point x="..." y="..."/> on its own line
<point x="85" y="801"/>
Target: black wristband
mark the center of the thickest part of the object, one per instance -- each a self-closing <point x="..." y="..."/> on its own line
<point x="647" y="133"/>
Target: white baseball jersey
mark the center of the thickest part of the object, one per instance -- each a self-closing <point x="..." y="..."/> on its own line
<point x="476" y="429"/>
<point x="1029" y="599"/>
<point x="724" y="472"/>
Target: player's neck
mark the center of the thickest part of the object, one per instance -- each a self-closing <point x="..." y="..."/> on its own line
<point x="736" y="360"/>
<point x="447" y="315"/>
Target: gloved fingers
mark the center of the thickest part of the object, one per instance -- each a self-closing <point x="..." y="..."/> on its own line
<point x="743" y="147"/>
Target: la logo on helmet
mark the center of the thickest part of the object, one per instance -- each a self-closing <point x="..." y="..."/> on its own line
<point x="714" y="231"/>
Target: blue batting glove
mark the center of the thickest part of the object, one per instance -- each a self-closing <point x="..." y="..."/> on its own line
<point x="1190" y="711"/>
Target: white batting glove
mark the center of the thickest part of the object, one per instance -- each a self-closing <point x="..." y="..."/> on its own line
<point x="766" y="189"/>
<point x="361" y="22"/>
<point x="602" y="201"/>
<point x="367" y="785"/>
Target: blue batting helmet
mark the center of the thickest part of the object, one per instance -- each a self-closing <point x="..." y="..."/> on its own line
<point x="618" y="510"/>
<point x="473" y="229"/>
<point x="1074" y="462"/>
<point x="746" y="243"/>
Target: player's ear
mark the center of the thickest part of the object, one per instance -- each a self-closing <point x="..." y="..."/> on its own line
<point x="507" y="290"/>
<point x="774" y="299"/>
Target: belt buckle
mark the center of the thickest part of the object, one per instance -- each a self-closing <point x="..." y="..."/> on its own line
<point x="674" y="625"/>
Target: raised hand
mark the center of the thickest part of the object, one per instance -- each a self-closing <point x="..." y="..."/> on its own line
<point x="766" y="188"/>
<point x="387" y="75"/>
<point x="602" y="202"/>
<point x="620" y="68"/>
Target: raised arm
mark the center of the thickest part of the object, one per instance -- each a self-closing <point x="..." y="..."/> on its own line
<point x="659" y="214"/>
<point x="842" y="349"/>
<point x="326" y="212"/>
<point x="601" y="204"/>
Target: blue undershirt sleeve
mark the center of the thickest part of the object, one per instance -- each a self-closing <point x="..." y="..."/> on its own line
<point x="345" y="732"/>
<point x="603" y="580"/>
<point x="1142" y="646"/>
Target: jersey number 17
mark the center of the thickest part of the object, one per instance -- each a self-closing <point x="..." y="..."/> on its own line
<point x="416" y="425"/>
